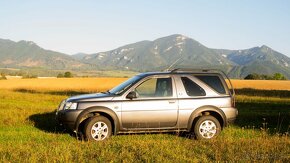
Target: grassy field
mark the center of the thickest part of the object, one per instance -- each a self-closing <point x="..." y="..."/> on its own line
<point x="61" y="84"/>
<point x="104" y="83"/>
<point x="262" y="84"/>
<point x="28" y="132"/>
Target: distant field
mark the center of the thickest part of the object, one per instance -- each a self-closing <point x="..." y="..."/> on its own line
<point x="105" y="83"/>
<point x="262" y="84"/>
<point x="62" y="84"/>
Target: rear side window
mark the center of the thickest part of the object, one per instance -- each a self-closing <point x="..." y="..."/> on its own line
<point x="213" y="81"/>
<point x="192" y="89"/>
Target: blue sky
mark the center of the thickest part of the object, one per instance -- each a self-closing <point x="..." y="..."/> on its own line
<point x="91" y="26"/>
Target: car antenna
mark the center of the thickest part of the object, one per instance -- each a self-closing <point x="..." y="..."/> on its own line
<point x="174" y="63"/>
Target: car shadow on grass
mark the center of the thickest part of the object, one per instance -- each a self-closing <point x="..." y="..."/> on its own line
<point x="274" y="117"/>
<point x="46" y="122"/>
<point x="64" y="92"/>
<point x="263" y="93"/>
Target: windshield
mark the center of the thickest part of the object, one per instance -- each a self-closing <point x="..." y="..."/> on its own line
<point x="125" y="85"/>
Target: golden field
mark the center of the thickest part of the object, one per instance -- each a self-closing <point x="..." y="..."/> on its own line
<point x="62" y="84"/>
<point x="262" y="84"/>
<point x="105" y="83"/>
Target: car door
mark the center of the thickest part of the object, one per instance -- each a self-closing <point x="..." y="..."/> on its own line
<point x="155" y="105"/>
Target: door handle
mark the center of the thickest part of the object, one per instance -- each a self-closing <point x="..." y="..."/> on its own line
<point x="171" y="102"/>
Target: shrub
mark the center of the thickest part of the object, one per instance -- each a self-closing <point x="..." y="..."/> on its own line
<point x="253" y="76"/>
<point x="68" y="74"/>
<point x="60" y="75"/>
<point x="29" y="76"/>
<point x="278" y="76"/>
<point x="65" y="75"/>
<point x="3" y="76"/>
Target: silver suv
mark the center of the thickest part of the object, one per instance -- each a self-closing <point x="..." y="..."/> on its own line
<point x="197" y="102"/>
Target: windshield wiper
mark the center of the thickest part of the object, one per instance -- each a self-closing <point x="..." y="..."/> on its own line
<point x="122" y="90"/>
<point x="107" y="92"/>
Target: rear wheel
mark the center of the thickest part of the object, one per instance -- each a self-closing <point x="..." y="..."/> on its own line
<point x="98" y="128"/>
<point x="207" y="127"/>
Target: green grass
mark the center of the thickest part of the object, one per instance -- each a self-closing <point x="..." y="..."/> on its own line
<point x="266" y="113"/>
<point x="263" y="93"/>
<point x="28" y="134"/>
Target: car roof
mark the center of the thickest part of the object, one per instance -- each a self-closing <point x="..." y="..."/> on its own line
<point x="187" y="71"/>
<point x="145" y="74"/>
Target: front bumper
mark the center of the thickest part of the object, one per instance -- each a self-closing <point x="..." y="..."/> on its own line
<point x="67" y="118"/>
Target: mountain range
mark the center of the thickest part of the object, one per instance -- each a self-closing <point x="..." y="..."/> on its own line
<point x="27" y="54"/>
<point x="175" y="50"/>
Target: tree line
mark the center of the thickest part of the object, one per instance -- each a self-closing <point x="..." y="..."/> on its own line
<point x="276" y="76"/>
<point x="65" y="75"/>
<point x="254" y="76"/>
<point x="27" y="75"/>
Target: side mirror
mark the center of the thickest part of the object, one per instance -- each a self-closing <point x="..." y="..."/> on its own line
<point x="131" y="95"/>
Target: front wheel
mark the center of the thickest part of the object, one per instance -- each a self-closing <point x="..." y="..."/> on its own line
<point x="207" y="127"/>
<point x="98" y="128"/>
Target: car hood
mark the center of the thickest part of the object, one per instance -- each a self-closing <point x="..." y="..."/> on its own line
<point x="91" y="97"/>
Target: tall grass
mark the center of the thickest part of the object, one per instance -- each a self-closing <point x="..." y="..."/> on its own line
<point x="43" y="147"/>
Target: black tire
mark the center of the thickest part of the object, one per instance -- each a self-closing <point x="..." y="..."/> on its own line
<point x="98" y="128"/>
<point x="206" y="127"/>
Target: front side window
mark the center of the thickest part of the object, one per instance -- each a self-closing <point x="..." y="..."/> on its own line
<point x="191" y="88"/>
<point x="155" y="87"/>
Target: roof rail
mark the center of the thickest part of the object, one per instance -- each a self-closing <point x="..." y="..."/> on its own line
<point x="194" y="70"/>
<point x="204" y="71"/>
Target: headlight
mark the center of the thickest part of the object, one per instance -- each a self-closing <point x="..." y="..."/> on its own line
<point x="71" y="105"/>
<point x="61" y="105"/>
